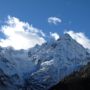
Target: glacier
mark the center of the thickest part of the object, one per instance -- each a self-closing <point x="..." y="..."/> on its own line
<point x="41" y="67"/>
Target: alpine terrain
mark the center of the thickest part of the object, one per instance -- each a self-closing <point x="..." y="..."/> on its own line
<point x="41" y="67"/>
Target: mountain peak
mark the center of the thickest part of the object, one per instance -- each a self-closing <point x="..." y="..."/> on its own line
<point x="67" y="36"/>
<point x="43" y="66"/>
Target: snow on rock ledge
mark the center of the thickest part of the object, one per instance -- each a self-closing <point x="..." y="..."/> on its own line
<point x="43" y="66"/>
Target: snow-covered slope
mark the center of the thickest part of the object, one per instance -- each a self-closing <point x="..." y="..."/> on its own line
<point x="42" y="66"/>
<point x="15" y="64"/>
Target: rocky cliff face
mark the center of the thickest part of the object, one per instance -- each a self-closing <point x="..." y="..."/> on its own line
<point x="41" y="67"/>
<point x="79" y="80"/>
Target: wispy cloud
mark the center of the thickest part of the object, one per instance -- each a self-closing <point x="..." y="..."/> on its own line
<point x="54" y="35"/>
<point x="80" y="37"/>
<point x="20" y="35"/>
<point x="54" y="20"/>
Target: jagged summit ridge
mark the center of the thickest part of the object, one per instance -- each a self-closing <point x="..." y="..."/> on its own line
<point x="58" y="59"/>
<point x="43" y="66"/>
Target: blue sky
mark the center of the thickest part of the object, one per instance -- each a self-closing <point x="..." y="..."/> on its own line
<point x="37" y="12"/>
<point x="75" y="14"/>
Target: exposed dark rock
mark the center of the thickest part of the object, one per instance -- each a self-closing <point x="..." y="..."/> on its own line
<point x="77" y="81"/>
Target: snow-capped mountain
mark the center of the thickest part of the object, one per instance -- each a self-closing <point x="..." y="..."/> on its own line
<point x="41" y="67"/>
